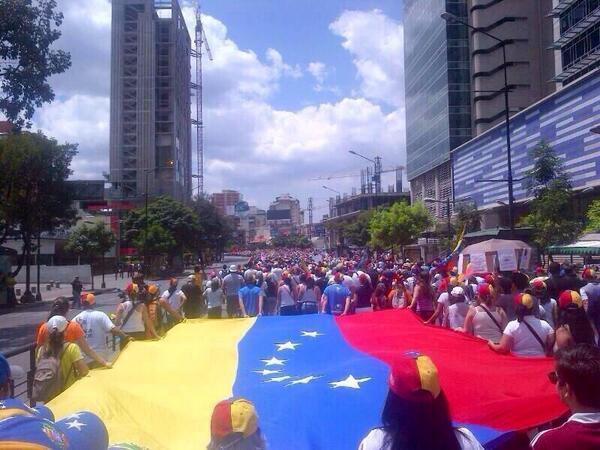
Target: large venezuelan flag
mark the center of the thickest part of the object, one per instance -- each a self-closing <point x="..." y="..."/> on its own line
<point x="317" y="382"/>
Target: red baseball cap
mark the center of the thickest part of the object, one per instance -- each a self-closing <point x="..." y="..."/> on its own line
<point x="414" y="377"/>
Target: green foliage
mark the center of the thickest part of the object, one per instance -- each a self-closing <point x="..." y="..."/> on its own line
<point x="467" y="216"/>
<point x="90" y="240"/>
<point x="215" y="229"/>
<point x="159" y="240"/>
<point x="34" y="193"/>
<point x="398" y="224"/>
<point x="291" y="241"/>
<point x="356" y="232"/>
<point x="174" y="217"/>
<point x="551" y="214"/>
<point x="593" y="217"/>
<point x="28" y="29"/>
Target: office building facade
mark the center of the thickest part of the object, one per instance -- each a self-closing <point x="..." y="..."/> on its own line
<point x="285" y="216"/>
<point x="150" y="119"/>
<point x="526" y="33"/>
<point x="438" y="94"/>
<point x="225" y="201"/>
<point x="566" y="120"/>
<point x="577" y="38"/>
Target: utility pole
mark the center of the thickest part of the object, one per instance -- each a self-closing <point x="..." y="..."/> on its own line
<point x="310" y="217"/>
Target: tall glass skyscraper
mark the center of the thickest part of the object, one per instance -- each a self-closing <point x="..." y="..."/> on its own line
<point x="438" y="94"/>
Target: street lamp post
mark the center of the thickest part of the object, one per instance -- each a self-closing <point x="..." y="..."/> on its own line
<point x="451" y="18"/>
<point x="448" y="212"/>
<point x="332" y="190"/>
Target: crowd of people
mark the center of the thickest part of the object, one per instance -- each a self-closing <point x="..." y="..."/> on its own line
<point x="553" y="311"/>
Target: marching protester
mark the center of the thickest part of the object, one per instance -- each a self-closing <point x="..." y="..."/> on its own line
<point x="485" y="320"/>
<point x="576" y="374"/>
<point x="72" y="333"/>
<point x="251" y="298"/>
<point x="59" y="363"/>
<point x="286" y="300"/>
<point x="336" y="298"/>
<point x="172" y="301"/>
<point x="458" y="309"/>
<point x="573" y="324"/>
<point x="416" y="414"/>
<point x="193" y="306"/>
<point x="133" y="318"/>
<point x="215" y="299"/>
<point x="549" y="307"/>
<point x="232" y="283"/>
<point x="76" y="288"/>
<point x="308" y="295"/>
<point x="97" y="328"/>
<point x="423" y="297"/>
<point x="234" y="426"/>
<point x="526" y="335"/>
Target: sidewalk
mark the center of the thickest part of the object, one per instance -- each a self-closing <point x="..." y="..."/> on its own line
<point x="48" y="296"/>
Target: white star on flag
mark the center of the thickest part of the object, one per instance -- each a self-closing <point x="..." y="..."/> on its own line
<point x="75" y="424"/>
<point x="313" y="334"/>
<point x="278" y="379"/>
<point x="267" y="371"/>
<point x="274" y="361"/>
<point x="349" y="382"/>
<point x="74" y="416"/>
<point x="304" y="380"/>
<point x="287" y="346"/>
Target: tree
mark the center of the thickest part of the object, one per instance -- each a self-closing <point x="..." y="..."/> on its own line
<point x="215" y="230"/>
<point x="467" y="217"/>
<point x="159" y="241"/>
<point x="593" y="217"/>
<point x="398" y="224"/>
<point x="177" y="219"/>
<point x="551" y="214"/>
<point x="28" y="29"/>
<point x="34" y="193"/>
<point x="356" y="232"/>
<point x="90" y="241"/>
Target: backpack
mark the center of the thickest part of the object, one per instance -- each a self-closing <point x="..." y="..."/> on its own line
<point x="47" y="380"/>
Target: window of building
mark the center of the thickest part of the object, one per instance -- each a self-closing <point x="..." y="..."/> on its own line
<point x="576" y="13"/>
<point x="582" y="46"/>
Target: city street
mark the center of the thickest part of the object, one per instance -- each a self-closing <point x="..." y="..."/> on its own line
<point x="17" y="329"/>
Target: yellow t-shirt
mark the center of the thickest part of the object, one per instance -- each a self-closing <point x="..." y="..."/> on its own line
<point x="70" y="354"/>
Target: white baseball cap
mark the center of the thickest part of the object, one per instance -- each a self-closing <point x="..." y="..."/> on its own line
<point x="58" y="323"/>
<point x="457" y="292"/>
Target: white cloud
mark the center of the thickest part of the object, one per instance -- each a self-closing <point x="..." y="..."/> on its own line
<point x="318" y="70"/>
<point x="376" y="44"/>
<point x="249" y="144"/>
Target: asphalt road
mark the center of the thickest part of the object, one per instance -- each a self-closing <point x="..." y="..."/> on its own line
<point x="17" y="329"/>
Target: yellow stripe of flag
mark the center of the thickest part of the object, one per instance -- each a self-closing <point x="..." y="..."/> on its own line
<point x="161" y="394"/>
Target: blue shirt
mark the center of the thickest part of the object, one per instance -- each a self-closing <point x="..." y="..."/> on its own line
<point x="250" y="294"/>
<point x="336" y="298"/>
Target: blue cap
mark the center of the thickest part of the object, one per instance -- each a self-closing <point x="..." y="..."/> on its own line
<point x="4" y="370"/>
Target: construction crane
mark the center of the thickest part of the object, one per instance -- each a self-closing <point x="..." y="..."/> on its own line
<point x="200" y="42"/>
<point x="355" y="175"/>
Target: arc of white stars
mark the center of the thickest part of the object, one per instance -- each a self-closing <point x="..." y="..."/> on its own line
<point x="287" y="346"/>
<point x="312" y="334"/>
<point x="278" y="379"/>
<point x="304" y="380"/>
<point x="349" y="382"/>
<point x="274" y="361"/>
<point x="267" y="371"/>
<point x="75" y="424"/>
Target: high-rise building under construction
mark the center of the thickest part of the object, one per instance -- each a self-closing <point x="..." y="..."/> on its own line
<point x="150" y="115"/>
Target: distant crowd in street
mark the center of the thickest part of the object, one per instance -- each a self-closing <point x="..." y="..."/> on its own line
<point x="554" y="311"/>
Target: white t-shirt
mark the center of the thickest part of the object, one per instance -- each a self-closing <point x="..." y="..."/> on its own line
<point x="457" y="314"/>
<point x="547" y="309"/>
<point x="175" y="300"/>
<point x="96" y="325"/>
<point x="444" y="299"/>
<point x="377" y="440"/>
<point x="524" y="342"/>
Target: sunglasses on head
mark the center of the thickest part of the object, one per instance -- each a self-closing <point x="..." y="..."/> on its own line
<point x="553" y="377"/>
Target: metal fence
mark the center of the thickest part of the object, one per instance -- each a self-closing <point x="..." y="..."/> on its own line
<point x="23" y="388"/>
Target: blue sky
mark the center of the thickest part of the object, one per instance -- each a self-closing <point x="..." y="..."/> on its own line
<point x="294" y="85"/>
<point x="300" y="31"/>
